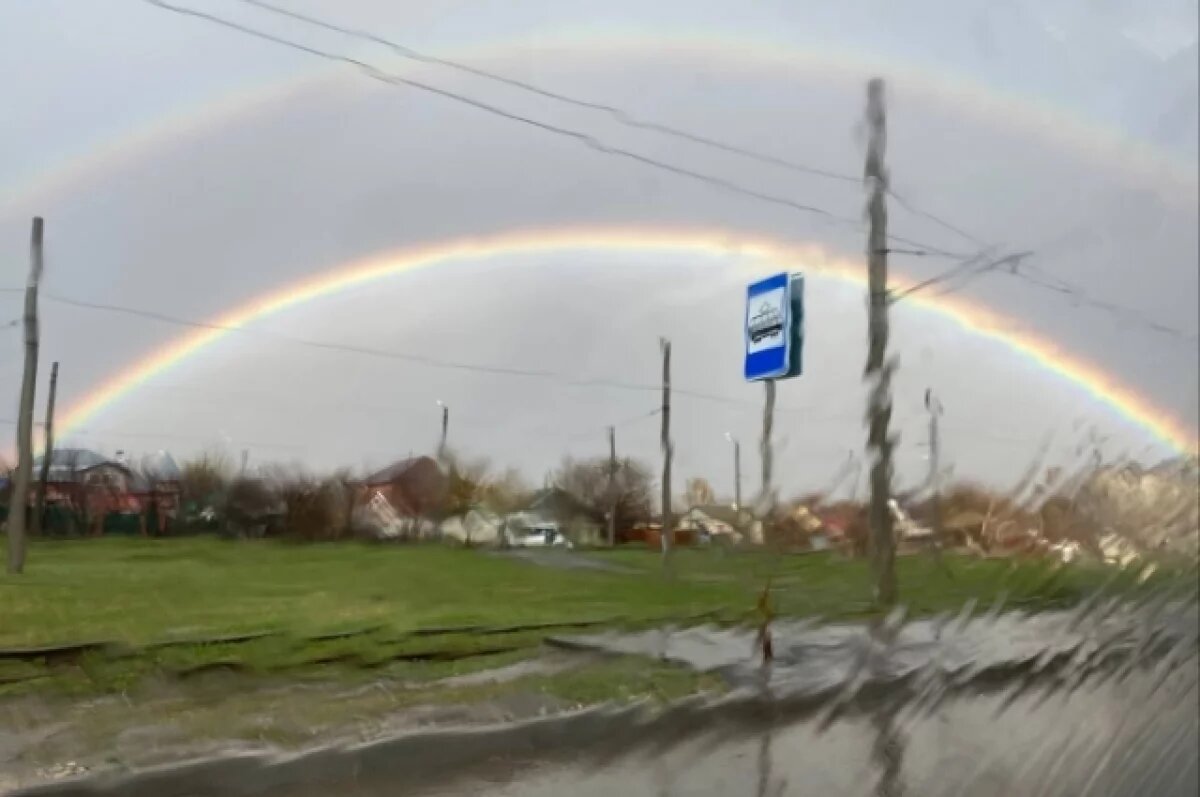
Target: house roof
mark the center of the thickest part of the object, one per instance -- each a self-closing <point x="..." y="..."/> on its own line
<point x="160" y="467"/>
<point x="67" y="463"/>
<point x="722" y="512"/>
<point x="397" y="469"/>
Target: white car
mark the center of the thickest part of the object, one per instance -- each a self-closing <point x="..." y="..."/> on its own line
<point x="544" y="535"/>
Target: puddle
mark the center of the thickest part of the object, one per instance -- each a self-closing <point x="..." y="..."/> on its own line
<point x="542" y="665"/>
<point x="812" y="659"/>
<point x="1100" y="701"/>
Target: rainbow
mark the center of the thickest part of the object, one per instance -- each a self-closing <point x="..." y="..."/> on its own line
<point x="969" y="316"/>
<point x="1139" y="161"/>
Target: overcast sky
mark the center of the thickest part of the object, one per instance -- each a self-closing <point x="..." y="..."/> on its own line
<point x="184" y="168"/>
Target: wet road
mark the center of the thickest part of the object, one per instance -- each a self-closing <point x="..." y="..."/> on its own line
<point x="1103" y="741"/>
<point x="1098" y="702"/>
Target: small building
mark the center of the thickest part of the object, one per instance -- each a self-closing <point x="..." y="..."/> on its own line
<point x="87" y="492"/>
<point x="401" y="499"/>
<point x="717" y="522"/>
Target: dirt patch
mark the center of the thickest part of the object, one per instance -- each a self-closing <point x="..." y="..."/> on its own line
<point x="45" y="738"/>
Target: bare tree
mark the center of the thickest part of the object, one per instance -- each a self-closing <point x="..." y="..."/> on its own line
<point x="205" y="477"/>
<point x="247" y="505"/>
<point x="587" y="480"/>
<point x="467" y="483"/>
<point x="507" y="492"/>
<point x="699" y="493"/>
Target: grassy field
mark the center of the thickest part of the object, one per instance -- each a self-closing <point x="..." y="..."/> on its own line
<point x="187" y="606"/>
<point x="130" y="652"/>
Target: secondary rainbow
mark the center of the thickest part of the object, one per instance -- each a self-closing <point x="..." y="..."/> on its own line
<point x="763" y="252"/>
<point x="1139" y="161"/>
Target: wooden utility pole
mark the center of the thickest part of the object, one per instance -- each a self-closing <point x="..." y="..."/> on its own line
<point x="667" y="447"/>
<point x="39" y="504"/>
<point x="20" y="495"/>
<point x="612" y="486"/>
<point x="879" y="370"/>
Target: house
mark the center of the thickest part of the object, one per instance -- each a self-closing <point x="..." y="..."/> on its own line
<point x="554" y="505"/>
<point x="157" y="485"/>
<point x="717" y="521"/>
<point x="397" y="501"/>
<point x="414" y="486"/>
<point x="88" y="492"/>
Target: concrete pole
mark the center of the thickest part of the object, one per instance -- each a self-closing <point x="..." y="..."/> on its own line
<point x="667" y="448"/>
<point x="20" y="495"/>
<point x="766" y="500"/>
<point x="39" y="504"/>
<point x="612" y="486"/>
<point x="935" y="474"/>
<point x="878" y="370"/>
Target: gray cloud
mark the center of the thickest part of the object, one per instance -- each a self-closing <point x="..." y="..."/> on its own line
<point x="347" y="169"/>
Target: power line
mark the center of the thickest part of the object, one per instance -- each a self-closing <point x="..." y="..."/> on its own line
<point x="582" y="138"/>
<point x="969" y="268"/>
<point x="1017" y="265"/>
<point x="966" y="266"/>
<point x="570" y="381"/>
<point x="1030" y="274"/>
<point x="620" y="115"/>
<point x="595" y="430"/>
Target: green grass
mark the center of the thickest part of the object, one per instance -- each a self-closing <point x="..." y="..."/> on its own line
<point x="141" y="592"/>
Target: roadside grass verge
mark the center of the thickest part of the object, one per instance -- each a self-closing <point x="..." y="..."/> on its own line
<point x="102" y="616"/>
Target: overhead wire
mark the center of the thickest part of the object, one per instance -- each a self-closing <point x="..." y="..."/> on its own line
<point x="620" y="115"/>
<point x="966" y="266"/>
<point x="968" y="269"/>
<point x="580" y="137"/>
<point x="1017" y="265"/>
<point x="594" y="429"/>
<point x="434" y="362"/>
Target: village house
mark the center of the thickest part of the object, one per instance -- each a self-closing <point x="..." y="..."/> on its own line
<point x="400" y="499"/>
<point x="89" y="493"/>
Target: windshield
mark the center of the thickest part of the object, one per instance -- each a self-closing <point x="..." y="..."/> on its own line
<point x="640" y="398"/>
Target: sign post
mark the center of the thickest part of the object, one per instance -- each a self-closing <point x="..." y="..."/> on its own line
<point x="774" y="338"/>
<point x="774" y="328"/>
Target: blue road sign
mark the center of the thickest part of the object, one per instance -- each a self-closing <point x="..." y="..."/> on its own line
<point x="774" y="327"/>
<point x="767" y="311"/>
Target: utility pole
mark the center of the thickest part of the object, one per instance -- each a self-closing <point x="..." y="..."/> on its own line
<point x="612" y="486"/>
<point x="667" y="447"/>
<point x="20" y="495"/>
<point x="39" y="504"/>
<point x="737" y="471"/>
<point x="445" y="431"/>
<point x="879" y="370"/>
<point x="766" y="502"/>
<point x="935" y="446"/>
